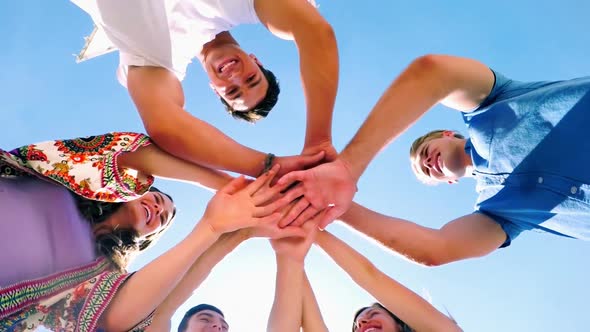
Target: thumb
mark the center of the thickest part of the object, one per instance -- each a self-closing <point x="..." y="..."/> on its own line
<point x="314" y="158"/>
<point x="234" y="185"/>
<point x="292" y="177"/>
<point x="330" y="214"/>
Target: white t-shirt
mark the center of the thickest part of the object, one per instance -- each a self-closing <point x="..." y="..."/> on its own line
<point x="164" y="33"/>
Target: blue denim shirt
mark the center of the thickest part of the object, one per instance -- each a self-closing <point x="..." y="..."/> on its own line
<point x="530" y="146"/>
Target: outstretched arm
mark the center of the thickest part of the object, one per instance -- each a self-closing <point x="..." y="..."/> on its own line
<point x="407" y="305"/>
<point x="154" y="161"/>
<point x="204" y="264"/>
<point x="287" y="309"/>
<point x="237" y="205"/>
<point x="158" y="95"/>
<point x="195" y="276"/>
<point x="286" y="312"/>
<point x="318" y="54"/>
<point x="312" y="320"/>
<point x="473" y="235"/>
<point x="459" y="83"/>
<point x="159" y="98"/>
<point x="456" y="82"/>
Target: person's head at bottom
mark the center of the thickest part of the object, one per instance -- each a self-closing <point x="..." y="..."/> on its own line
<point x="203" y="318"/>
<point x="377" y="318"/>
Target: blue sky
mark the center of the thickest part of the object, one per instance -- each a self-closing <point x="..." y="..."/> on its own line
<point x="537" y="284"/>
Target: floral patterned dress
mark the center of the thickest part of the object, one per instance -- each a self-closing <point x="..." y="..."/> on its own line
<point x="72" y="300"/>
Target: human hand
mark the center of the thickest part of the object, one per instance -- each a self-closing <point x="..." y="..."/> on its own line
<point x="298" y="162"/>
<point x="297" y="212"/>
<point x="241" y="204"/>
<point x="296" y="248"/>
<point x="330" y="152"/>
<point x="328" y="186"/>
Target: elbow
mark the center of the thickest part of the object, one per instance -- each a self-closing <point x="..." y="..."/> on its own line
<point x="428" y="66"/>
<point x="323" y="32"/>
<point x="438" y="255"/>
<point x="325" y="29"/>
<point x="432" y="261"/>
<point x="163" y="134"/>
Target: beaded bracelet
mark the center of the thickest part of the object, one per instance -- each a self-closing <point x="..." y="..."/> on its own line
<point x="267" y="163"/>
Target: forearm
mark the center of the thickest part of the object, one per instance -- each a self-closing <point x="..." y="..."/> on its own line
<point x="407" y="305"/>
<point x="319" y="75"/>
<point x="148" y="287"/>
<point x="312" y="320"/>
<point x="159" y="98"/>
<point x="199" y="271"/>
<point x="413" y="93"/>
<point x="286" y="312"/>
<point x="198" y="142"/>
<point x="420" y="244"/>
<point x="154" y="161"/>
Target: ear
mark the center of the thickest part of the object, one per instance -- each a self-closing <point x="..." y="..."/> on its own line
<point x="448" y="133"/>
<point x="253" y="57"/>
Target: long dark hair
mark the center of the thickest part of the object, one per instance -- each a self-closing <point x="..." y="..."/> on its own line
<point x="120" y="245"/>
<point x="402" y="325"/>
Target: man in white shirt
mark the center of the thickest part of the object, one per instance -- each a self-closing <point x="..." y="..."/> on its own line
<point x="157" y="40"/>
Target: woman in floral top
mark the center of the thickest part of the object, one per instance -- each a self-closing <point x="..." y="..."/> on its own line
<point x="65" y="253"/>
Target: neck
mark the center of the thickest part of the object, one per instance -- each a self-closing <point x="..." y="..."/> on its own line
<point x="467" y="162"/>
<point x="222" y="38"/>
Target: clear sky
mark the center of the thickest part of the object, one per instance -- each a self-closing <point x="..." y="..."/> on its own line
<point x="539" y="283"/>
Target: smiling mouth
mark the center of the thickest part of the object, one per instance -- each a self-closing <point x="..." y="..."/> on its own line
<point x="438" y="164"/>
<point x="227" y="66"/>
<point x="371" y="329"/>
<point x="148" y="215"/>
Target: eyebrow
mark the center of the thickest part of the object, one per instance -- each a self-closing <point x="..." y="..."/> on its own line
<point x="251" y="85"/>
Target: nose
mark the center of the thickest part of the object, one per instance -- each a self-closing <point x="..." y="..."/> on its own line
<point x="361" y="322"/>
<point x="427" y="162"/>
<point x="158" y="208"/>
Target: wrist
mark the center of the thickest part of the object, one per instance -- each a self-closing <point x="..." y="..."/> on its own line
<point x="206" y="229"/>
<point x="267" y="163"/>
<point x="353" y="167"/>
<point x="287" y="258"/>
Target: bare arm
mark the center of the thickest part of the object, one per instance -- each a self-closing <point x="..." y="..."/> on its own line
<point x="473" y="235"/>
<point x="286" y="312"/>
<point x="197" y="273"/>
<point x="141" y="294"/>
<point x="287" y="308"/>
<point x="407" y="305"/>
<point x="312" y="320"/>
<point x="154" y="161"/>
<point x="158" y="95"/>
<point x="318" y="53"/>
<point x="459" y="83"/>
<point x="237" y="205"/>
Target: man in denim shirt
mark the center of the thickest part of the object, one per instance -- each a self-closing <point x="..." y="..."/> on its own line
<point x="516" y="131"/>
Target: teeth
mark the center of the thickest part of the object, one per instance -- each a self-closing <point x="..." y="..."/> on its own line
<point x="224" y="67"/>
<point x="147" y="214"/>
